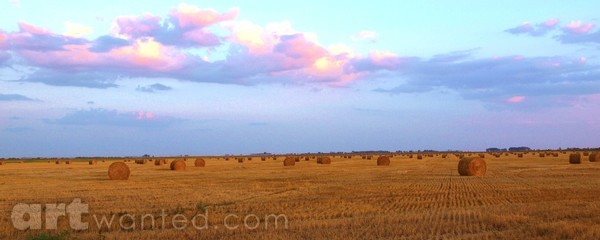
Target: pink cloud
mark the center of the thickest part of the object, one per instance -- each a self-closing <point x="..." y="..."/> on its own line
<point x="145" y="25"/>
<point x="3" y="40"/>
<point x="298" y="47"/>
<point x="141" y="55"/>
<point x="187" y="16"/>
<point x="384" y="59"/>
<point x="152" y="46"/>
<point x="582" y="59"/>
<point x="551" y="22"/>
<point x="578" y="27"/>
<point x="141" y="115"/>
<point x="201" y="37"/>
<point x="24" y="27"/>
<point x="516" y="99"/>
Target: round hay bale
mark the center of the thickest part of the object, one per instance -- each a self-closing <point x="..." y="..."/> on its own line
<point x="297" y="159"/>
<point x="118" y="171"/>
<point x="542" y="155"/>
<point x="585" y="154"/>
<point x="1" y="163"/>
<point x="103" y="160"/>
<point x="575" y="158"/>
<point x="199" y="162"/>
<point x="383" y="161"/>
<point x="324" y="160"/>
<point x="364" y="157"/>
<point x="160" y="162"/>
<point x="306" y="159"/>
<point x="178" y="165"/>
<point x="93" y="162"/>
<point x="419" y="156"/>
<point x="69" y="162"/>
<point x="520" y="155"/>
<point x="240" y="160"/>
<point x="472" y="166"/>
<point x="57" y="162"/>
<point x="249" y="158"/>
<point x="289" y="161"/>
<point x="263" y="159"/>
<point x="595" y="157"/>
<point x="369" y="157"/>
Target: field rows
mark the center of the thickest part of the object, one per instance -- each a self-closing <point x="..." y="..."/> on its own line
<point x="525" y="198"/>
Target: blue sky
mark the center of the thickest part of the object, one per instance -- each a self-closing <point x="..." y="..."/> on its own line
<point x="107" y="78"/>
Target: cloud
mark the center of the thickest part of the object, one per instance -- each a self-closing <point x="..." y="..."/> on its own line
<point x="579" y="32"/>
<point x="539" y="29"/>
<point x="153" y="88"/>
<point x="104" y="117"/>
<point x="365" y="35"/>
<point x="107" y="43"/>
<point x="186" y="26"/>
<point x="14" y="97"/>
<point x="76" y="30"/>
<point x="516" y="99"/>
<point x="501" y="79"/>
<point x="4" y="58"/>
<point x="578" y="27"/>
<point x="102" y="80"/>
<point x="179" y="47"/>
<point x="33" y="38"/>
<point x="573" y="32"/>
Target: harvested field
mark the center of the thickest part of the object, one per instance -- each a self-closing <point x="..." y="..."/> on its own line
<point x="518" y="198"/>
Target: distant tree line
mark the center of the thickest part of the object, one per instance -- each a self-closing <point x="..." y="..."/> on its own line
<point x="510" y="149"/>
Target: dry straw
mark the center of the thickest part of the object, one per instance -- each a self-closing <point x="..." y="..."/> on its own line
<point x="199" y="162"/>
<point x="383" y="161"/>
<point x="472" y="166"/>
<point x="118" y="171"/>
<point x="324" y="160"/>
<point x="575" y="158"/>
<point x="595" y="157"/>
<point x="178" y="165"/>
<point x="289" y="161"/>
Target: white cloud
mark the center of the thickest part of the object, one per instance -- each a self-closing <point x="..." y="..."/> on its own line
<point x="77" y="30"/>
<point x="365" y="35"/>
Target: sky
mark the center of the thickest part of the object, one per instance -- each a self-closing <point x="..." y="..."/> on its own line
<point x="114" y="78"/>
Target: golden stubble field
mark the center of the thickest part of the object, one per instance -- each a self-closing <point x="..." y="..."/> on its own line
<point x="519" y="198"/>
